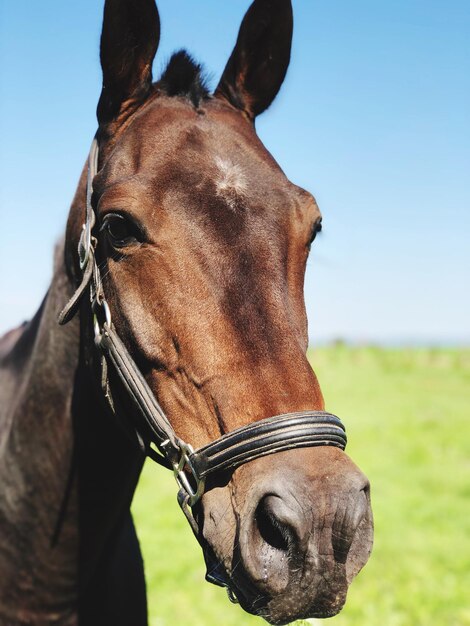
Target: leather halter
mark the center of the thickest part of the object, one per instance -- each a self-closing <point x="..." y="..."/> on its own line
<point x="150" y="427"/>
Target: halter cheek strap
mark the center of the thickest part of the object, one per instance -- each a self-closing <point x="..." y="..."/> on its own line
<point x="148" y="423"/>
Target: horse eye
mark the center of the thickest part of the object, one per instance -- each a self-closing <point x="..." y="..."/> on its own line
<point x="317" y="227"/>
<point x="121" y="231"/>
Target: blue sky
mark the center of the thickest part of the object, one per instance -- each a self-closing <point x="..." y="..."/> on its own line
<point x="374" y="119"/>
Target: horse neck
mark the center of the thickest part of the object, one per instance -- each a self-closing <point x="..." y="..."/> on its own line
<point x="36" y="444"/>
<point x="67" y="473"/>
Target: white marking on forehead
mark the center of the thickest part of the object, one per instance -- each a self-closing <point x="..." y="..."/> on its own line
<point x="230" y="182"/>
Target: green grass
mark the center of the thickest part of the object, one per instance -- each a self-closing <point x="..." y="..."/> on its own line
<point x="407" y="414"/>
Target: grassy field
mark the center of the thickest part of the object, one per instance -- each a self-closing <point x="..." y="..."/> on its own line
<point x="407" y="414"/>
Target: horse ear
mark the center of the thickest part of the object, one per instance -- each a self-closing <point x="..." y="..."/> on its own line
<point x="129" y="41"/>
<point x="259" y="61"/>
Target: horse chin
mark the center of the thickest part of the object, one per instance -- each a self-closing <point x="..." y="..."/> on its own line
<point x="295" y="603"/>
<point x="298" y="601"/>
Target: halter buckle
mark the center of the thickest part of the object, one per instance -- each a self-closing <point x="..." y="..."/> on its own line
<point x="85" y="243"/>
<point x="97" y="306"/>
<point x="180" y="467"/>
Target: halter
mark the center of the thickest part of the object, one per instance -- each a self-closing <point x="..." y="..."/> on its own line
<point x="151" y="428"/>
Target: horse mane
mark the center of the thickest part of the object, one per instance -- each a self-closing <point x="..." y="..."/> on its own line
<point x="183" y="76"/>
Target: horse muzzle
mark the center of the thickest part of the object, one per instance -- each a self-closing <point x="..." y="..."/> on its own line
<point x="291" y="540"/>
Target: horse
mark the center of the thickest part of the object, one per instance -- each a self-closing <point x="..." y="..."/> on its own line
<point x="183" y="337"/>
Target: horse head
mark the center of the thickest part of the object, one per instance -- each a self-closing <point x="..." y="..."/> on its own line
<point x="202" y="245"/>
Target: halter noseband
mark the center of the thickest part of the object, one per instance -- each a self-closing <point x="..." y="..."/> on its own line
<point x="190" y="467"/>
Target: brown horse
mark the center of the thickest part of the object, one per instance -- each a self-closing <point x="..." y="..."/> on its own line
<point x="201" y="242"/>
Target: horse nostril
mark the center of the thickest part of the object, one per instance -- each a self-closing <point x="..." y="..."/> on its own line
<point x="272" y="530"/>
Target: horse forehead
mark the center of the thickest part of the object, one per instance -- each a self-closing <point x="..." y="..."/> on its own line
<point x="216" y="154"/>
<point x="211" y="139"/>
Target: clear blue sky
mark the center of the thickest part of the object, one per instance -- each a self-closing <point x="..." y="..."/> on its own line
<point x="374" y="119"/>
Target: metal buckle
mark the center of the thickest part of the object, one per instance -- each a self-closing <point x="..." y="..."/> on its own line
<point x="181" y="477"/>
<point x="231" y="595"/>
<point x="98" y="304"/>
<point x="84" y="245"/>
<point x="85" y="242"/>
